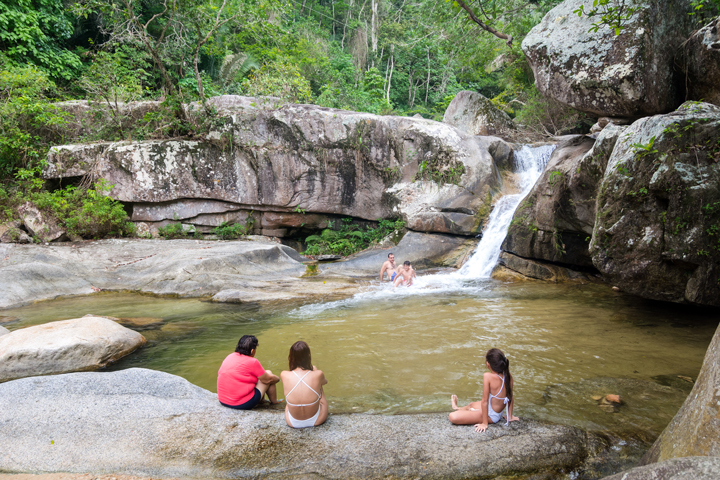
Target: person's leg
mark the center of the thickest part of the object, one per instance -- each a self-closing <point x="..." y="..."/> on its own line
<point x="470" y="406"/>
<point x="465" y="417"/>
<point x="272" y="394"/>
<point x="269" y="390"/>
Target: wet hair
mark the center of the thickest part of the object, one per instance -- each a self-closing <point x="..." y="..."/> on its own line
<point x="406" y="262"/>
<point x="300" y="356"/>
<point x="391" y="254"/>
<point x="499" y="363"/>
<point x="246" y="345"/>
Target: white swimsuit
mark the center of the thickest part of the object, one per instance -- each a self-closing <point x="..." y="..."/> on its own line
<point x="310" y="422"/>
<point x="495" y="416"/>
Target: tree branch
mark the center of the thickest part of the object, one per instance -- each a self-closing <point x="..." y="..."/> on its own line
<point x="508" y="38"/>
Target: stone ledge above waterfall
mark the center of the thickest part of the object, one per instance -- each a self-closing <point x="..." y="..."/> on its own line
<point x="299" y="158"/>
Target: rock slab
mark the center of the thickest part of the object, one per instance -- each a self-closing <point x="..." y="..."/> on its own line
<point x="695" y="430"/>
<point x="144" y="422"/>
<point x="87" y="343"/>
<point x="703" y="61"/>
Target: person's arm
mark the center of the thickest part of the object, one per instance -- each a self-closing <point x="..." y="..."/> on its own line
<point x="510" y="407"/>
<point x="382" y="270"/>
<point x="269" y="378"/>
<point x="481" y="427"/>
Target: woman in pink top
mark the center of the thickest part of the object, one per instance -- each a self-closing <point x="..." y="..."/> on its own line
<point x="242" y="381"/>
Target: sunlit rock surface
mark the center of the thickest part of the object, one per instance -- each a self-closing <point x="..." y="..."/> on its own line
<point x="628" y="75"/>
<point x="695" y="468"/>
<point x="144" y="422"/>
<point x="658" y="208"/>
<point x="289" y="160"/>
<point x="79" y="344"/>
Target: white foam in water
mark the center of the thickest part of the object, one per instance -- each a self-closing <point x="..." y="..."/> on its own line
<point x="530" y="162"/>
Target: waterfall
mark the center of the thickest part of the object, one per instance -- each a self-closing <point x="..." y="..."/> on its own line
<point x="530" y="163"/>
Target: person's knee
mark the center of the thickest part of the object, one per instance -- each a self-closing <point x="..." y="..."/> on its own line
<point x="453" y="418"/>
<point x="269" y="372"/>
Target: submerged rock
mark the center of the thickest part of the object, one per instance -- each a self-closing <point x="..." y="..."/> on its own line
<point x="695" y="429"/>
<point x="151" y="423"/>
<point x="695" y="468"/>
<point x="87" y="343"/>
<point x="658" y="208"/>
<point x="628" y="75"/>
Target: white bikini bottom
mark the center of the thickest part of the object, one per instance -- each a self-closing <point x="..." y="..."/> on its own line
<point x="310" y="422"/>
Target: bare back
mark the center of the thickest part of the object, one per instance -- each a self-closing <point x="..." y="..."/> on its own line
<point x="497" y="389"/>
<point x="305" y="400"/>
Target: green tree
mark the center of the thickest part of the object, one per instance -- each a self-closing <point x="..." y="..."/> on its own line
<point x="34" y="32"/>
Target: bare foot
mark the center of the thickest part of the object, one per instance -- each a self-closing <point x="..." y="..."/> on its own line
<point x="453" y="402"/>
<point x="275" y="403"/>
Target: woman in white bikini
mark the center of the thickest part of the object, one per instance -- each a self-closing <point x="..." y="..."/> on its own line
<point x="490" y="408"/>
<point x="306" y="405"/>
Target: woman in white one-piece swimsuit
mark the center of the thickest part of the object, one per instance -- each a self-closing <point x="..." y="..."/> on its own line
<point x="306" y="403"/>
<point x="482" y="413"/>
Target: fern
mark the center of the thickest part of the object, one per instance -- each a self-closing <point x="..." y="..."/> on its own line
<point x="236" y="66"/>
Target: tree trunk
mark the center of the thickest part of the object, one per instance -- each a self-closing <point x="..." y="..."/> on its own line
<point x="392" y="65"/>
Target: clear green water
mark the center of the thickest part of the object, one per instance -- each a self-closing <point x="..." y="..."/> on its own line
<point x="392" y="352"/>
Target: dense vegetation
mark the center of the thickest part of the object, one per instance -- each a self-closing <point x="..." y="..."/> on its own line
<point x="382" y="56"/>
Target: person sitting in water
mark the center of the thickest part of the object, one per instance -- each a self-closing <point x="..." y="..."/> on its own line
<point x="242" y="382"/>
<point x="405" y="275"/>
<point x="306" y="405"/>
<point x="497" y="380"/>
<point x="389" y="267"/>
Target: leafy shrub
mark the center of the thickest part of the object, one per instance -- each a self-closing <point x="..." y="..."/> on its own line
<point x="231" y="231"/>
<point x="350" y="237"/>
<point x="88" y="213"/>
<point x="175" y="230"/>
<point x="549" y="117"/>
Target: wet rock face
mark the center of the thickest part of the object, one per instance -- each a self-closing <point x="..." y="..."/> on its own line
<point x="630" y="74"/>
<point x="555" y="221"/>
<point x="658" y="210"/>
<point x="87" y="343"/>
<point x="703" y="62"/>
<point x="155" y="424"/>
<point x="474" y="114"/>
<point x="695" y="429"/>
<point x="293" y="158"/>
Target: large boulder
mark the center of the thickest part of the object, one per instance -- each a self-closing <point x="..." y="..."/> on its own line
<point x="74" y="345"/>
<point x="289" y="159"/>
<point x="695" y="468"/>
<point x="3" y="331"/>
<point x="658" y="210"/>
<point x="695" y="429"/>
<point x="40" y="224"/>
<point x="10" y="232"/>
<point x="555" y="221"/>
<point x="144" y="422"/>
<point x="599" y="72"/>
<point x="703" y="63"/>
<point x="474" y="114"/>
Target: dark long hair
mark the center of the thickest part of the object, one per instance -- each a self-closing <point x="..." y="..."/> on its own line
<point x="246" y="345"/>
<point x="300" y="356"/>
<point x="499" y="363"/>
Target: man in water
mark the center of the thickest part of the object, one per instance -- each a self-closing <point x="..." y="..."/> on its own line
<point x="389" y="267"/>
<point x="405" y="275"/>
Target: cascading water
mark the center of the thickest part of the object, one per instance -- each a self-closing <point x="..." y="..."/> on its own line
<point x="530" y="164"/>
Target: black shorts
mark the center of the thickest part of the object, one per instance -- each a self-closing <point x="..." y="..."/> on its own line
<point x="249" y="404"/>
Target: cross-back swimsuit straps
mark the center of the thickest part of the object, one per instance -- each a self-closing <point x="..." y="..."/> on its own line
<point x="495" y="416"/>
<point x="310" y="422"/>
